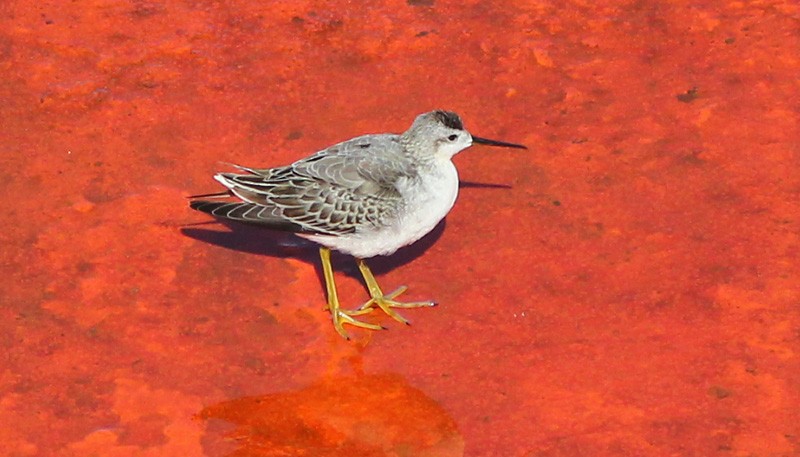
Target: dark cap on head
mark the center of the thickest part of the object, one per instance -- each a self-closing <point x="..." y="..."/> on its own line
<point x="448" y="119"/>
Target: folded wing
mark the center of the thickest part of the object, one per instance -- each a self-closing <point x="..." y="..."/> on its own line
<point x="350" y="186"/>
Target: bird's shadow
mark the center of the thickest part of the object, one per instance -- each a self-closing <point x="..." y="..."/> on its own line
<point x="260" y="241"/>
<point x="256" y="240"/>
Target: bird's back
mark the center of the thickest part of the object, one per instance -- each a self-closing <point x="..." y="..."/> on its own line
<point x="346" y="187"/>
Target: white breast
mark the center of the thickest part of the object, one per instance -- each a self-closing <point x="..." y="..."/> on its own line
<point x="427" y="200"/>
<point x="427" y="203"/>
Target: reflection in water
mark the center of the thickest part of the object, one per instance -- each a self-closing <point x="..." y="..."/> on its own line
<point x="379" y="415"/>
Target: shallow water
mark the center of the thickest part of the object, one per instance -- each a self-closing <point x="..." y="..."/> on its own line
<point x="629" y="288"/>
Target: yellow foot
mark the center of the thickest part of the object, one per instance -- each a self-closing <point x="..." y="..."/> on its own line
<point x="387" y="302"/>
<point x="341" y="317"/>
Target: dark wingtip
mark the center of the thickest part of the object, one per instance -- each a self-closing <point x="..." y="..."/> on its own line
<point x="206" y="206"/>
<point x="212" y="195"/>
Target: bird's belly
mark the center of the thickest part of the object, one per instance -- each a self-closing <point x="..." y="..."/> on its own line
<point x="425" y="204"/>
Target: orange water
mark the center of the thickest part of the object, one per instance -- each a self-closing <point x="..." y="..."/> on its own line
<point x="634" y="292"/>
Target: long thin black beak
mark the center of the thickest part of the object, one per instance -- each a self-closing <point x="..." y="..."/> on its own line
<point x="502" y="144"/>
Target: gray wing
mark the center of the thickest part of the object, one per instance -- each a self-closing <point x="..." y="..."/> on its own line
<point x="335" y="191"/>
<point x="369" y="163"/>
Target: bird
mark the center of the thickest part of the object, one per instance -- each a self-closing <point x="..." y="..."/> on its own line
<point x="367" y="196"/>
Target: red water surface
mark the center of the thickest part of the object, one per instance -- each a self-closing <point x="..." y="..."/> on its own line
<point x="635" y="291"/>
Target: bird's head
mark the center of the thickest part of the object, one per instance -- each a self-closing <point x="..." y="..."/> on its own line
<point x="441" y="135"/>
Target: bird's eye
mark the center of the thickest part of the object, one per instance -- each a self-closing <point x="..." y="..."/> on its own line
<point x="452" y="137"/>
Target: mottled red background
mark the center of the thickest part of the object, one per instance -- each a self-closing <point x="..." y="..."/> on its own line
<point x="636" y="291"/>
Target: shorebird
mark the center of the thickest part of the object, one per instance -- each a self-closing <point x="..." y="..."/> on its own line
<point x="367" y="196"/>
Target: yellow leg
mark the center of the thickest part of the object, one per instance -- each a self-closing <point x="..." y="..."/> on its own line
<point x="385" y="302"/>
<point x="340" y="316"/>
